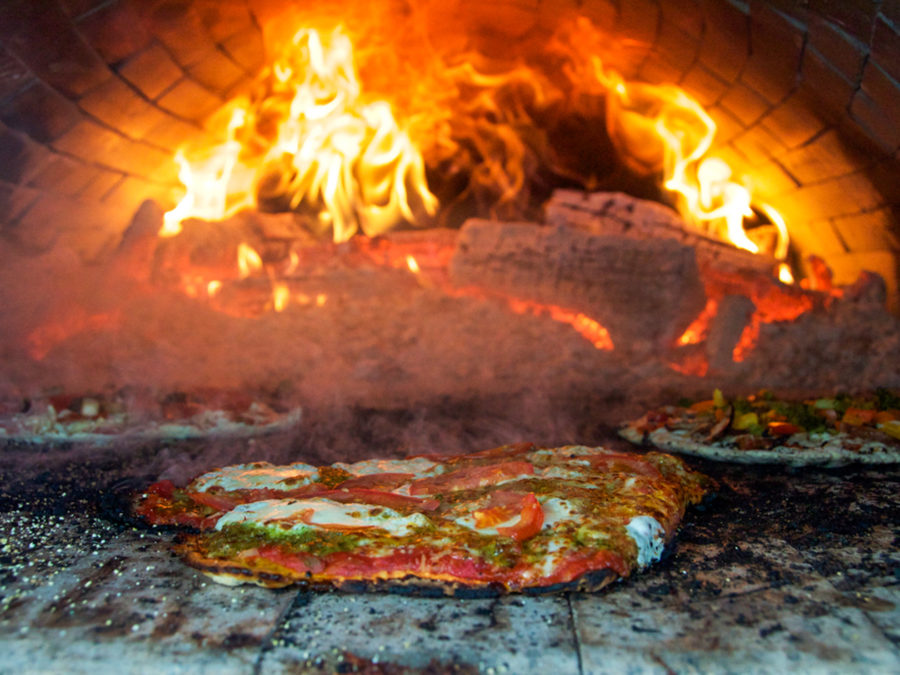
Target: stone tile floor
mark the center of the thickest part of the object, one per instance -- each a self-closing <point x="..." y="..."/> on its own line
<point x="781" y="571"/>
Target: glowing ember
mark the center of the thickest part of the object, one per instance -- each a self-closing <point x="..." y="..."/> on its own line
<point x="699" y="328"/>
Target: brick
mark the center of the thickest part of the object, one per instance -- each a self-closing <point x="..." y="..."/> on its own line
<point x="813" y="237"/>
<point x="703" y="85"/>
<point x="832" y="92"/>
<point x="776" y="44"/>
<point x="656" y="69"/>
<point x="152" y="71"/>
<point x="677" y="47"/>
<point x="727" y="125"/>
<point x="794" y="121"/>
<point x="601" y="13"/>
<point x="744" y="103"/>
<point x="686" y="15"/>
<point x="186" y="42"/>
<point x="115" y="31"/>
<point x="826" y="157"/>
<point x="63" y="176"/>
<point x="14" y="76"/>
<point x="130" y="192"/>
<point x="890" y="9"/>
<point x="40" y="112"/>
<point x="842" y="52"/>
<point x="796" y="10"/>
<point x="726" y="39"/>
<point x="217" y="73"/>
<point x="76" y="8"/>
<point x="848" y="266"/>
<point x="38" y="228"/>
<point x="757" y="145"/>
<point x="190" y="101"/>
<point x="872" y="121"/>
<point x="22" y="157"/>
<point x="638" y="20"/>
<point x="883" y="175"/>
<point x="224" y="19"/>
<point x="14" y="203"/>
<point x="247" y="50"/>
<point x="173" y="133"/>
<point x="771" y="180"/>
<point x="41" y="36"/>
<point x="872" y="231"/>
<point x="101" y="185"/>
<point x="886" y="48"/>
<point x="119" y="107"/>
<point x="91" y="142"/>
<point x="853" y="16"/>
<point x="844" y="196"/>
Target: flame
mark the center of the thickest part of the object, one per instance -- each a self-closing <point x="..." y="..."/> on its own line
<point x="660" y="127"/>
<point x="348" y="153"/>
<point x="248" y="260"/>
<point x="308" y="139"/>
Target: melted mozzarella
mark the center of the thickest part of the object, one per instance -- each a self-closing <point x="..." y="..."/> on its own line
<point x="557" y="511"/>
<point x="565" y="473"/>
<point x="648" y="534"/>
<point x="419" y="466"/>
<point x="468" y="521"/>
<point x="302" y="514"/>
<point x="257" y="475"/>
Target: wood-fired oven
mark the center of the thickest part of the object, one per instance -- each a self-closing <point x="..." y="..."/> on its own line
<point x="441" y="227"/>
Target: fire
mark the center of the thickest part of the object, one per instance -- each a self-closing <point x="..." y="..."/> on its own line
<point x="307" y="139"/>
<point x="347" y="149"/>
<point x="660" y="127"/>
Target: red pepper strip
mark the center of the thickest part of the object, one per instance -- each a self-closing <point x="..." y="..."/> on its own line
<point x="470" y="477"/>
<point x="783" y="428"/>
<point x="376" y="497"/>
<point x="531" y="520"/>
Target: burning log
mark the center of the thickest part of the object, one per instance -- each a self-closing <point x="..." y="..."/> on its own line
<point x="732" y="318"/>
<point x="644" y="291"/>
<point x="615" y="213"/>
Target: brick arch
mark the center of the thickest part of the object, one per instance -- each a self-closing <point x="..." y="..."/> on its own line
<point x="95" y="95"/>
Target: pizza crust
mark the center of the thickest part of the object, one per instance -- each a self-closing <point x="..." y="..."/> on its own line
<point x="233" y="573"/>
<point x="830" y="451"/>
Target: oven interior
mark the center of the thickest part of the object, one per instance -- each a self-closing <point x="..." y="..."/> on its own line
<point x="526" y="310"/>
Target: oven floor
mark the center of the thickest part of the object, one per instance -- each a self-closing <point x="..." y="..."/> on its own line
<point x="780" y="571"/>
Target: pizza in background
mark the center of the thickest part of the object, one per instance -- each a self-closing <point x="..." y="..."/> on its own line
<point x="518" y="518"/>
<point x="830" y="431"/>
<point x="101" y="419"/>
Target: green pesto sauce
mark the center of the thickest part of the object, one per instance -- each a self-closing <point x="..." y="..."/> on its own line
<point x="331" y="476"/>
<point x="232" y="539"/>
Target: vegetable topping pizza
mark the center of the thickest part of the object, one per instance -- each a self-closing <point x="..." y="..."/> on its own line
<point x="764" y="429"/>
<point x="105" y="418"/>
<point x="518" y="518"/>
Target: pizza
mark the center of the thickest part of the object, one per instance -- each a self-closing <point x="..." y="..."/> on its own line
<point x="829" y="431"/>
<point x="518" y="518"/>
<point x="102" y="419"/>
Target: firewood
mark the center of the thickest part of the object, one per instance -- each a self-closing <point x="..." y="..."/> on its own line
<point x="732" y="316"/>
<point x="620" y="214"/>
<point x="644" y="291"/>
